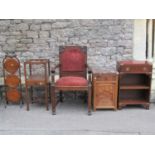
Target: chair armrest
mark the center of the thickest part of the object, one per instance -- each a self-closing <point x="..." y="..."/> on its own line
<point x="54" y="68"/>
<point x="89" y="73"/>
<point x="53" y="73"/>
<point x="89" y="69"/>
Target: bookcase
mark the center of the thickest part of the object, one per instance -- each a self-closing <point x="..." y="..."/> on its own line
<point x="134" y="83"/>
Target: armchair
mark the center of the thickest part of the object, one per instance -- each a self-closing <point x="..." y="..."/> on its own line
<point x="73" y="74"/>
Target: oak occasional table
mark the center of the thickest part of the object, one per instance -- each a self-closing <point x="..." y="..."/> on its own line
<point x="105" y="88"/>
<point x="37" y="72"/>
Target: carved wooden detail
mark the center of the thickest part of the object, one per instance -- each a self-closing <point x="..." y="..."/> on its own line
<point x="11" y="65"/>
<point x="13" y="95"/>
<point x="12" y="79"/>
<point x="104" y="94"/>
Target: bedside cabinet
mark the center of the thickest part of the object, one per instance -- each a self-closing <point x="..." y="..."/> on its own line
<point x="134" y="83"/>
<point x="105" y="88"/>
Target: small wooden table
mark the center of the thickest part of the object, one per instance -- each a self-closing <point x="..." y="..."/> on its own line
<point x="105" y="88"/>
<point x="33" y="78"/>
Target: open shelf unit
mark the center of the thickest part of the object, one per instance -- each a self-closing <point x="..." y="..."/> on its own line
<point x="133" y="96"/>
<point x="134" y="87"/>
<point x="134" y="81"/>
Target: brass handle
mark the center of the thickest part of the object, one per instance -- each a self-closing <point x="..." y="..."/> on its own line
<point x="144" y="68"/>
<point x="40" y="83"/>
<point x="127" y="68"/>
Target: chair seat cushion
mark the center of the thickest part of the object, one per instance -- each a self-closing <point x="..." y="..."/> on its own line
<point x="71" y="81"/>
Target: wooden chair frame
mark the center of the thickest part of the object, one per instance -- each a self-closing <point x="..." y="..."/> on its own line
<point x="55" y="88"/>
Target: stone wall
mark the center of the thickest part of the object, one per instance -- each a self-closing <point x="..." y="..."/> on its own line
<point x="107" y="40"/>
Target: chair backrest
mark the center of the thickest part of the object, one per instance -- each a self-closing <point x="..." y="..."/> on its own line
<point x="73" y="60"/>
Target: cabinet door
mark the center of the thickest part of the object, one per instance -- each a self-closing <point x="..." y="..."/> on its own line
<point x="105" y="95"/>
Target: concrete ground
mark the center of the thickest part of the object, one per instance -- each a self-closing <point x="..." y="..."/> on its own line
<point x="72" y="118"/>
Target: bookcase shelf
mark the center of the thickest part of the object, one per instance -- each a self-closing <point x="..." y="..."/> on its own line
<point x="136" y="101"/>
<point x="134" y="87"/>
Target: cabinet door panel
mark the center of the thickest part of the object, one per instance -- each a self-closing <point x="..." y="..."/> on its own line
<point x="104" y="95"/>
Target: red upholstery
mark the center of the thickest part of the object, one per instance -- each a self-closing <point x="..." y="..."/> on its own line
<point x="71" y="81"/>
<point x="72" y="59"/>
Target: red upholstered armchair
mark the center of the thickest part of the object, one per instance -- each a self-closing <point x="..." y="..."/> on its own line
<point x="73" y="74"/>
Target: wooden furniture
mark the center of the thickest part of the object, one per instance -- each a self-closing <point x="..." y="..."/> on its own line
<point x="37" y="72"/>
<point x="12" y="79"/>
<point x="105" y="88"/>
<point x="73" y="74"/>
<point x="134" y="83"/>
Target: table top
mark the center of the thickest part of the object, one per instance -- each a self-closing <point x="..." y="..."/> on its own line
<point x="102" y="70"/>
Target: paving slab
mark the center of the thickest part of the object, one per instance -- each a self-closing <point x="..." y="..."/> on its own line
<point x="72" y="119"/>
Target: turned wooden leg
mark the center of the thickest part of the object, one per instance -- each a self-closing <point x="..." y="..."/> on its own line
<point x="53" y="101"/>
<point x="49" y="92"/>
<point x="61" y="96"/>
<point x="89" y="100"/>
<point x="46" y="96"/>
<point x="146" y="106"/>
<point x="6" y="102"/>
<point x="120" y="107"/>
<point x="31" y="93"/>
<point x="115" y="109"/>
<point x="75" y="95"/>
<point x="85" y="97"/>
<point x="27" y="97"/>
<point x="94" y="108"/>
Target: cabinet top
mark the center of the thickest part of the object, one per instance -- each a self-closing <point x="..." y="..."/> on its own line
<point x="134" y="62"/>
<point x="134" y="66"/>
<point x="103" y="70"/>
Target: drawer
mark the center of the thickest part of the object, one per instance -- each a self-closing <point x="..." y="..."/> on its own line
<point x="101" y="77"/>
<point x="139" y="69"/>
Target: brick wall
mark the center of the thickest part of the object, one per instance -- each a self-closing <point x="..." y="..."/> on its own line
<point x="107" y="40"/>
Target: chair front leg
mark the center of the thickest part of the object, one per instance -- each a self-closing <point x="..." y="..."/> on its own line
<point x="61" y="96"/>
<point x="89" y="99"/>
<point x="53" y="100"/>
<point x="31" y="93"/>
<point x="46" y="96"/>
<point x="49" y="92"/>
<point x="27" y="97"/>
<point x="89" y="92"/>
